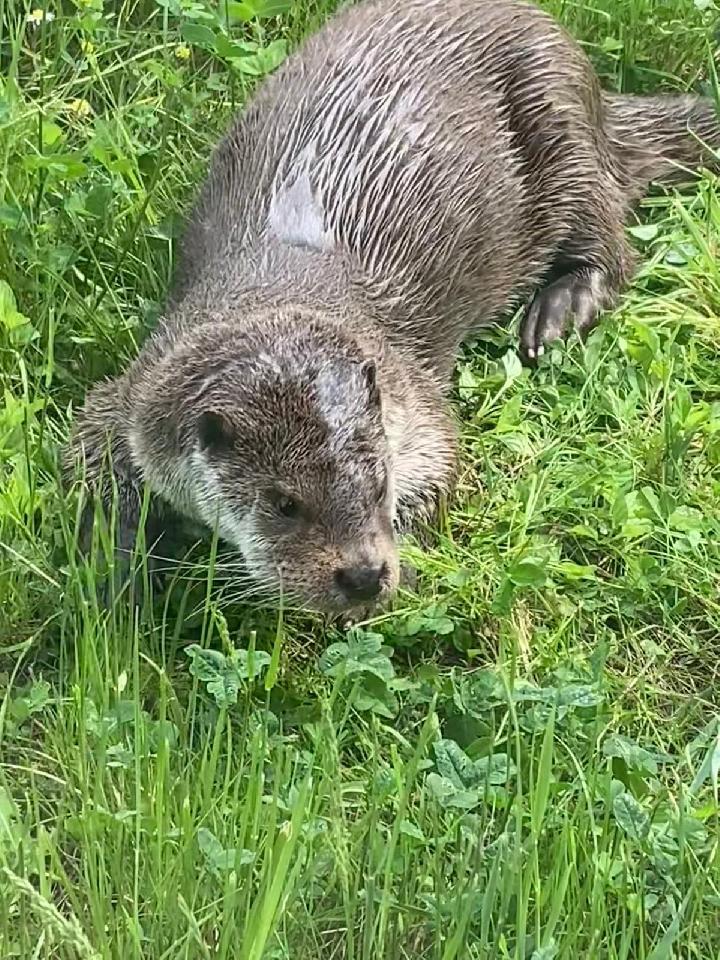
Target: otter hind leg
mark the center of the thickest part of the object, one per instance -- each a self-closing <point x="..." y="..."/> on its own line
<point x="574" y="299"/>
<point x="590" y="271"/>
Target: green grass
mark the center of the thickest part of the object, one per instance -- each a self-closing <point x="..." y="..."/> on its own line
<point x="520" y="760"/>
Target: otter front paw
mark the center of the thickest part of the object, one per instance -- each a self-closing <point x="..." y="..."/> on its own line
<point x="120" y="568"/>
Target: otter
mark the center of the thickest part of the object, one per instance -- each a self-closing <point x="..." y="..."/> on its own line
<point x="414" y="171"/>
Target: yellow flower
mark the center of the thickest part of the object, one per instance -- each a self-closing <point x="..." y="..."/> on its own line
<point x="87" y="47"/>
<point x="80" y="107"/>
<point x="182" y="52"/>
<point x="36" y="17"/>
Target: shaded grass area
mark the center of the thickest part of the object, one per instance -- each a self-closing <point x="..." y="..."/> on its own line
<point x="519" y="760"/>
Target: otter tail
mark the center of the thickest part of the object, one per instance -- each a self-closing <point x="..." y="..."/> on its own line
<point x="662" y="138"/>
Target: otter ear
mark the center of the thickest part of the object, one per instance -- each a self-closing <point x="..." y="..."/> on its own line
<point x="369" y="371"/>
<point x="215" y="432"/>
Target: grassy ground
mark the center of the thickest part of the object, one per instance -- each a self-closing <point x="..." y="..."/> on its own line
<point x="522" y="759"/>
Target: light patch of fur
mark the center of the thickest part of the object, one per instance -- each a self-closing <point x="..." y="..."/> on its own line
<point x="240" y="530"/>
<point x="423" y="455"/>
<point x="340" y="400"/>
<point x="266" y="359"/>
<point x="296" y="216"/>
<point x="209" y="503"/>
<point x="599" y="288"/>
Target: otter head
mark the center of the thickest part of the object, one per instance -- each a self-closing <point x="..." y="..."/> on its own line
<point x="280" y="443"/>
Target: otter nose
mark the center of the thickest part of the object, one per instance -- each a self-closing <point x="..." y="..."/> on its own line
<point x="361" y="583"/>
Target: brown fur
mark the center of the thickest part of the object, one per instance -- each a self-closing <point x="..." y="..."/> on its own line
<point x="415" y="169"/>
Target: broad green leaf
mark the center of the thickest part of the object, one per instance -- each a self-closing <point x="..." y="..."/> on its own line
<point x="575" y="571"/>
<point x="375" y="697"/>
<point x="454" y="764"/>
<point x="51" y="133"/>
<point x="644" y="231"/>
<point x="199" y="35"/>
<point x="579" y="695"/>
<point x="687" y="520"/>
<point x="271" y="8"/>
<point x="410" y="830"/>
<point x="467" y="382"/>
<point x="8" y="303"/>
<point x="548" y="952"/>
<point x="635" y="756"/>
<point x="239" y="12"/>
<point x="362" y="653"/>
<point x="219" y="858"/>
<point x="495" y="769"/>
<point x="250" y="667"/>
<point x="529" y="572"/>
<point x="217" y="672"/>
<point x="448" y="795"/>
<point x="256" y="9"/>
<point x="264" y="60"/>
<point x="631" y="817"/>
<point x="513" y="366"/>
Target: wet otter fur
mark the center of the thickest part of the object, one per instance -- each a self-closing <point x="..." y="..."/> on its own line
<point x="413" y="171"/>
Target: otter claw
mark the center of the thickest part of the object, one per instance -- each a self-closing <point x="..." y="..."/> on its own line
<point x="576" y="298"/>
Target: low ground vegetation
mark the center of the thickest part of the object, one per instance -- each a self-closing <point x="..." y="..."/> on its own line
<point x="521" y="759"/>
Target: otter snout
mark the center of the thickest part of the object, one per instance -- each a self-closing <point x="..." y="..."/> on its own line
<point x="364" y="576"/>
<point x="362" y="583"/>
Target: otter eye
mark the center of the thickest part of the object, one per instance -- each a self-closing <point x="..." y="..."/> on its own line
<point x="288" y="507"/>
